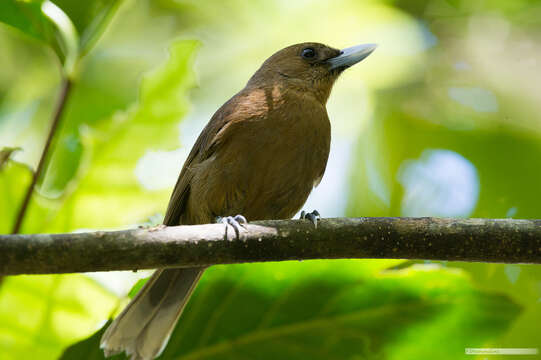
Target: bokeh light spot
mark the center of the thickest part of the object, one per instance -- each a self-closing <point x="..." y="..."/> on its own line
<point x="440" y="183"/>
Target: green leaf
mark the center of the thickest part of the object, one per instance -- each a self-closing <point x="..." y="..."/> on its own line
<point x="42" y="314"/>
<point x="43" y="20"/>
<point x="519" y="282"/>
<point x="68" y="34"/>
<point x="90" y="18"/>
<point x="135" y="288"/>
<point x="524" y="333"/>
<point x="109" y="194"/>
<point x="27" y="17"/>
<point x="108" y="78"/>
<point x="335" y="309"/>
<point x="88" y="348"/>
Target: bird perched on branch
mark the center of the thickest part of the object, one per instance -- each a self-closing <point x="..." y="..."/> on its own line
<point x="260" y="156"/>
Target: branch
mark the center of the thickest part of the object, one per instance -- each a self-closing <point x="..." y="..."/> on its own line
<point x="487" y="240"/>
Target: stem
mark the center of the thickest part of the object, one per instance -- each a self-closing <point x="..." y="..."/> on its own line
<point x="64" y="92"/>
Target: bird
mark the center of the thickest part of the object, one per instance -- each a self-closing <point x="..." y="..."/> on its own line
<point x="258" y="158"/>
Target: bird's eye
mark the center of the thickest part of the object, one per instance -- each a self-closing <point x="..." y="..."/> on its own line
<point x="308" y="53"/>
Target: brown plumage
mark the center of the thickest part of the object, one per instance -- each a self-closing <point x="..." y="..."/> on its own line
<point x="260" y="155"/>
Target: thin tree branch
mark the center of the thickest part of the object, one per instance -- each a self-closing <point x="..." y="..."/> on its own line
<point x="487" y="240"/>
<point x="64" y="92"/>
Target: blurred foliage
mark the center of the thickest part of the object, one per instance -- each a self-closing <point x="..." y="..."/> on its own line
<point x="27" y="16"/>
<point x="342" y="309"/>
<point x="493" y="125"/>
<point x="108" y="193"/>
<point x="41" y="315"/>
<point x="60" y="22"/>
<point x="443" y="119"/>
<point x="14" y="178"/>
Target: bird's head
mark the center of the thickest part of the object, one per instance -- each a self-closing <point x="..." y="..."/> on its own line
<point x="310" y="67"/>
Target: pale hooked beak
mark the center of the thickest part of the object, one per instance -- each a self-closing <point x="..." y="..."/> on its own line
<point x="351" y="56"/>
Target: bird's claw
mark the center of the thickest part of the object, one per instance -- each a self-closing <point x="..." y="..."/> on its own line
<point x="237" y="222"/>
<point x="313" y="217"/>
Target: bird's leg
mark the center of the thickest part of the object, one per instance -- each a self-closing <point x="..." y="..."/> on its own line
<point x="237" y="222"/>
<point x="312" y="216"/>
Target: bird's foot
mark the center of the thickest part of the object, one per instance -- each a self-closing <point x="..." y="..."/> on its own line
<point x="313" y="217"/>
<point x="238" y="222"/>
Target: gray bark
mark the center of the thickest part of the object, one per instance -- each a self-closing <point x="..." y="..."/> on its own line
<point x="485" y="240"/>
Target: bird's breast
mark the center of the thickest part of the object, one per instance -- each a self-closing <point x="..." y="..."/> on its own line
<point x="266" y="164"/>
<point x="283" y="155"/>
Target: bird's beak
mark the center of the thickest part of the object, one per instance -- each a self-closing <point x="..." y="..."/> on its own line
<point x="351" y="56"/>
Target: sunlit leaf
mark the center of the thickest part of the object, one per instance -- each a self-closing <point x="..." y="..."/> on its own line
<point x="109" y="78"/>
<point x="335" y="309"/>
<point x="42" y="314"/>
<point x="58" y="24"/>
<point x="109" y="193"/>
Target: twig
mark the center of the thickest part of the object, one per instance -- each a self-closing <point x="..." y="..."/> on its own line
<point x="64" y="92"/>
<point x="486" y="240"/>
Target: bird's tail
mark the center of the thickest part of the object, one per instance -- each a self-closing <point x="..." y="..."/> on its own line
<point x="143" y="328"/>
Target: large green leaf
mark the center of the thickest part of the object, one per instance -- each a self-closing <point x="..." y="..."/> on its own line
<point x="42" y="314"/>
<point x="109" y="193"/>
<point x="333" y="309"/>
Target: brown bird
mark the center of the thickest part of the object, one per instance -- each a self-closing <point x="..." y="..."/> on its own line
<point x="260" y="155"/>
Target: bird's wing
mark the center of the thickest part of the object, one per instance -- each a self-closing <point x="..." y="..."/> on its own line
<point x="206" y="144"/>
